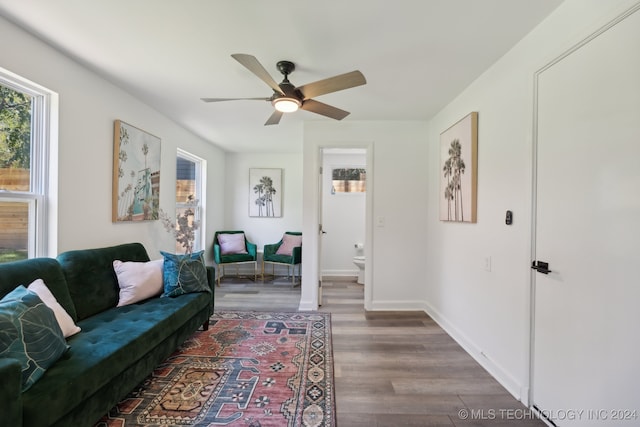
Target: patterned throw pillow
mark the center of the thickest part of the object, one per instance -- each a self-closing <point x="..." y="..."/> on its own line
<point x="184" y="274"/>
<point x="30" y="334"/>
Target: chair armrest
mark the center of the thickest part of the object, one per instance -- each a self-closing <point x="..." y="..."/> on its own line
<point x="11" y="392"/>
<point x="297" y="254"/>
<point x="252" y="248"/>
<point x="216" y="253"/>
<point x="271" y="249"/>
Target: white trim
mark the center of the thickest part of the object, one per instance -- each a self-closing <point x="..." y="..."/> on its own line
<point x="495" y="370"/>
<point x="340" y="273"/>
<point x="43" y="180"/>
<point x="201" y="184"/>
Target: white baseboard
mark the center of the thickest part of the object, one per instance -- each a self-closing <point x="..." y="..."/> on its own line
<point x="306" y="306"/>
<point x="340" y="273"/>
<point x="397" y="306"/>
<point x="518" y="390"/>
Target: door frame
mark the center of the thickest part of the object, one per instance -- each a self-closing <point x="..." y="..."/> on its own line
<point x="311" y="274"/>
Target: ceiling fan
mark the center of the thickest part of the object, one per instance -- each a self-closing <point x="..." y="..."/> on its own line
<point x="287" y="98"/>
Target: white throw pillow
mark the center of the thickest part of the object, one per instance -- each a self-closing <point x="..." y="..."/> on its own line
<point x="138" y="280"/>
<point x="232" y="243"/>
<point x="64" y="320"/>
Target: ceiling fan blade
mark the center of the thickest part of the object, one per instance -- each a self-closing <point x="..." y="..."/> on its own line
<point x="324" y="109"/>
<point x="234" y="99"/>
<point x="275" y="118"/>
<point x="332" y="84"/>
<point x="252" y="64"/>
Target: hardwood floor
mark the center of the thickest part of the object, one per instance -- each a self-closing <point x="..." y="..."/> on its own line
<point x="391" y="368"/>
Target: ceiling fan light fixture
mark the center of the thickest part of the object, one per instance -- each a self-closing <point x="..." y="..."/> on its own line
<point x="286" y="104"/>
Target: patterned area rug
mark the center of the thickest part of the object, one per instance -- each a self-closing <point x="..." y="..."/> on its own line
<point x="249" y="369"/>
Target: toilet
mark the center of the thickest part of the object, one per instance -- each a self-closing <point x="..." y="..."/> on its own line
<point x="359" y="262"/>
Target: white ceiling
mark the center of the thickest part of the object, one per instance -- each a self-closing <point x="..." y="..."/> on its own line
<point x="416" y="55"/>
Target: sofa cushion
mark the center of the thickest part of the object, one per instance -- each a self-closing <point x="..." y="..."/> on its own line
<point x="29" y="333"/>
<point x="92" y="282"/>
<point x="26" y="271"/>
<point x="184" y="274"/>
<point x="110" y="343"/>
<point x="138" y="280"/>
<point x="65" y="321"/>
<point x="225" y="259"/>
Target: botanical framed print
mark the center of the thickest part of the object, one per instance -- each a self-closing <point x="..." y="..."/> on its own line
<point x="136" y="174"/>
<point x="459" y="171"/>
<point x="265" y="193"/>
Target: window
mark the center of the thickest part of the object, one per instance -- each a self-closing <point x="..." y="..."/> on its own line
<point x="24" y="119"/>
<point x="189" y="187"/>
<point x="348" y="180"/>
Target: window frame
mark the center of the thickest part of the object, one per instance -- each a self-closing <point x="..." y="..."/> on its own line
<point x="44" y="112"/>
<point x="200" y="180"/>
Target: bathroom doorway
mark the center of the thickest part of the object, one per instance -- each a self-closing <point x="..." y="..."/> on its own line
<point x="343" y="210"/>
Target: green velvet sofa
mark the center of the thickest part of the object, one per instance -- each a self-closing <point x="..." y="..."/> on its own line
<point x="117" y="348"/>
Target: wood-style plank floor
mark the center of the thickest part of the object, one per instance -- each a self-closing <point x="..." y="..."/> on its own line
<point x="391" y="368"/>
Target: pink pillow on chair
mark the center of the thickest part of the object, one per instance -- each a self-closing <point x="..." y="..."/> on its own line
<point x="289" y="241"/>
<point x="232" y="243"/>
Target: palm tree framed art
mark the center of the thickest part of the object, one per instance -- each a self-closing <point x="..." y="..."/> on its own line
<point x="136" y="174"/>
<point x="265" y="193"/>
<point x="459" y="171"/>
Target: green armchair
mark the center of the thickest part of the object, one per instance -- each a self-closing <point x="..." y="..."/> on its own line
<point x="232" y="247"/>
<point x="288" y="251"/>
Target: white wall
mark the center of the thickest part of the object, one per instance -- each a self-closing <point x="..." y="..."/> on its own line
<point x="343" y="217"/>
<point x="88" y="107"/>
<point x="237" y="193"/>
<point x="396" y="177"/>
<point x="488" y="312"/>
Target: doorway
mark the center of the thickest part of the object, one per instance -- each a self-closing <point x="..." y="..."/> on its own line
<point x="311" y="266"/>
<point x="343" y="201"/>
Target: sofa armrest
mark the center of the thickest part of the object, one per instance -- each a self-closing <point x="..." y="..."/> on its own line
<point x="211" y="277"/>
<point x="11" y="392"/>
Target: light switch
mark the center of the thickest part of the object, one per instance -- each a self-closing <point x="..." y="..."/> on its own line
<point x="380" y="221"/>
<point x="487" y="263"/>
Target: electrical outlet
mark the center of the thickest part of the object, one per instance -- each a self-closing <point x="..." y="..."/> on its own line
<point x="487" y="263"/>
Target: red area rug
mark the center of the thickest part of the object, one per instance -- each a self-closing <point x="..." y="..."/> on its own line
<point x="249" y="369"/>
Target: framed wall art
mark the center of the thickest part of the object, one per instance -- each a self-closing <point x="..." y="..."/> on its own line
<point x="265" y="193"/>
<point x="136" y="174"/>
<point x="459" y="171"/>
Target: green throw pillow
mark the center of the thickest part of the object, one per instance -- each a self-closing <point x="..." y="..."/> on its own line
<point x="29" y="333"/>
<point x="183" y="274"/>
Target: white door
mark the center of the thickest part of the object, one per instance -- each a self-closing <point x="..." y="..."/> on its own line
<point x="586" y="341"/>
